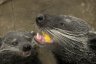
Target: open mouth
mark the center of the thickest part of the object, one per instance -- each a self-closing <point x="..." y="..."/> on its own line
<point x="43" y="38"/>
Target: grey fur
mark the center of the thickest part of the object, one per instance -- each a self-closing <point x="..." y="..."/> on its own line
<point x="11" y="50"/>
<point x="73" y="38"/>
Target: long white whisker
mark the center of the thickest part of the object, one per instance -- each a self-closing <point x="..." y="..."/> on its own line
<point x="64" y="44"/>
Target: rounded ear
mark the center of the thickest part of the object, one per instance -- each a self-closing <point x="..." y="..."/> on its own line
<point x="30" y="35"/>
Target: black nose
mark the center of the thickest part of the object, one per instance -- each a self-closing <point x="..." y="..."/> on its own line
<point x="27" y="47"/>
<point x="40" y="19"/>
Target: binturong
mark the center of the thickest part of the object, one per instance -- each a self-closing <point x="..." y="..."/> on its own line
<point x="17" y="48"/>
<point x="73" y="40"/>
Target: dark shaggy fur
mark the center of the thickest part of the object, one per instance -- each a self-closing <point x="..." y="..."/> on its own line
<point x="74" y="39"/>
<point x="17" y="48"/>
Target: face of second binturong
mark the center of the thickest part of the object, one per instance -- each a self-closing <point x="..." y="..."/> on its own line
<point x="17" y="48"/>
<point x="74" y="39"/>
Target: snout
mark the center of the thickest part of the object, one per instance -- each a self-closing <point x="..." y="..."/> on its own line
<point x="27" y="47"/>
<point x="40" y="20"/>
<point x="27" y="50"/>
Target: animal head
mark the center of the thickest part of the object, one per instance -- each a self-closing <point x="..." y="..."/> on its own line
<point x="62" y="22"/>
<point x="18" y="43"/>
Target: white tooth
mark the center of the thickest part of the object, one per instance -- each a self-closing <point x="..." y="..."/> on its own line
<point x="37" y="35"/>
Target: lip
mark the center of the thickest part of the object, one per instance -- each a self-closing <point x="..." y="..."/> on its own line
<point x="39" y="39"/>
<point x="26" y="54"/>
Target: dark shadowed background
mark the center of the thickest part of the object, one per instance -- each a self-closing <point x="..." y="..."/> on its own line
<point x="19" y="15"/>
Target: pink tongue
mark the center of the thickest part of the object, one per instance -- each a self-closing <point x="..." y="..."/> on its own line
<point x="39" y="38"/>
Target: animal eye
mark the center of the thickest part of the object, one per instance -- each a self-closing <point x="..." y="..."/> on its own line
<point x="15" y="43"/>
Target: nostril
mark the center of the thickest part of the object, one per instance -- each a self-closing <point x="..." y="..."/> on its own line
<point x="40" y="18"/>
<point x="27" y="47"/>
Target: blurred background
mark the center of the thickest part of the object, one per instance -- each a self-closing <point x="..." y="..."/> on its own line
<point x="19" y="15"/>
